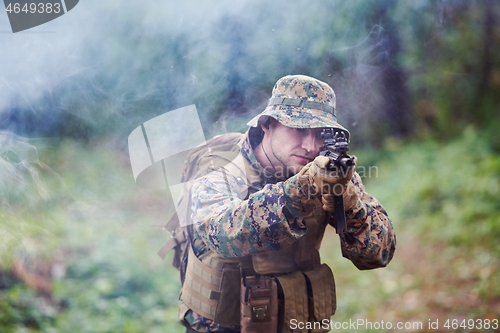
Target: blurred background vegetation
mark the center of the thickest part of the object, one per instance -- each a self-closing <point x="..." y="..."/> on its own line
<point x="417" y="83"/>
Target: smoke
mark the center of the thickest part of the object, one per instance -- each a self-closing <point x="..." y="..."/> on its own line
<point x="22" y="189"/>
<point x="20" y="171"/>
<point x="102" y="61"/>
<point x="105" y="67"/>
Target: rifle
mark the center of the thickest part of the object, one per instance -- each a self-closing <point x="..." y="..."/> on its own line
<point x="336" y="145"/>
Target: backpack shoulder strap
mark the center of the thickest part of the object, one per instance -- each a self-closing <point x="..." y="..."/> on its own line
<point x="221" y="150"/>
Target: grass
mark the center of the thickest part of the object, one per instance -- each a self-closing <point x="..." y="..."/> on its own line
<point x="95" y="223"/>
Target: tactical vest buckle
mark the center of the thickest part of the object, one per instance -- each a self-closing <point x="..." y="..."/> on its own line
<point x="259" y="313"/>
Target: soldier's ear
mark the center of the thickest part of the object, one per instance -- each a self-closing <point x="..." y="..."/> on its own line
<point x="266" y="125"/>
<point x="265" y="129"/>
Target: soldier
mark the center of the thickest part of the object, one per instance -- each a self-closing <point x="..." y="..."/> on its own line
<point x="257" y="220"/>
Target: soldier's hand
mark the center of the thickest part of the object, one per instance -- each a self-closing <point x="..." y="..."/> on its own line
<point x="306" y="178"/>
<point x="350" y="199"/>
<point x="330" y="181"/>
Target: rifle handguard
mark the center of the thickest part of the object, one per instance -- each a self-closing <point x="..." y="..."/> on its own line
<point x="342" y="166"/>
<point x="330" y="181"/>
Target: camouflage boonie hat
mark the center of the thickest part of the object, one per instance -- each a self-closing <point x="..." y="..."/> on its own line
<point x="301" y="101"/>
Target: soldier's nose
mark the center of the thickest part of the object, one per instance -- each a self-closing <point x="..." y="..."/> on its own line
<point x="309" y="143"/>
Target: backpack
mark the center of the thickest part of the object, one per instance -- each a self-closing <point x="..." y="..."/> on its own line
<point x="216" y="153"/>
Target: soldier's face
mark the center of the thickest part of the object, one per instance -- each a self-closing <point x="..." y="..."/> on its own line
<point x="291" y="148"/>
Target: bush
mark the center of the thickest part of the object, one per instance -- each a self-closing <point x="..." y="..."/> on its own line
<point x="444" y="192"/>
<point x="77" y="207"/>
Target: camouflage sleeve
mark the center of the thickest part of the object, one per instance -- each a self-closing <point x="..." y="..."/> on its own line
<point x="369" y="241"/>
<point x="268" y="220"/>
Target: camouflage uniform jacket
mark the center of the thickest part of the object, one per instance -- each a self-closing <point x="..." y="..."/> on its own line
<point x="271" y="218"/>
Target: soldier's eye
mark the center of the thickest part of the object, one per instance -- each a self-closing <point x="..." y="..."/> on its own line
<point x="301" y="130"/>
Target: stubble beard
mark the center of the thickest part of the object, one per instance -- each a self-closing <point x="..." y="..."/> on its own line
<point x="284" y="170"/>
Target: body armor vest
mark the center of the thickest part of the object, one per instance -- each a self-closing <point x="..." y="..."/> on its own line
<point x="212" y="283"/>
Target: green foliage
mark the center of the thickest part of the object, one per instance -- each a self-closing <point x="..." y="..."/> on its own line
<point x="90" y="220"/>
<point x="449" y="53"/>
<point x="445" y="192"/>
<point x="21" y="308"/>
